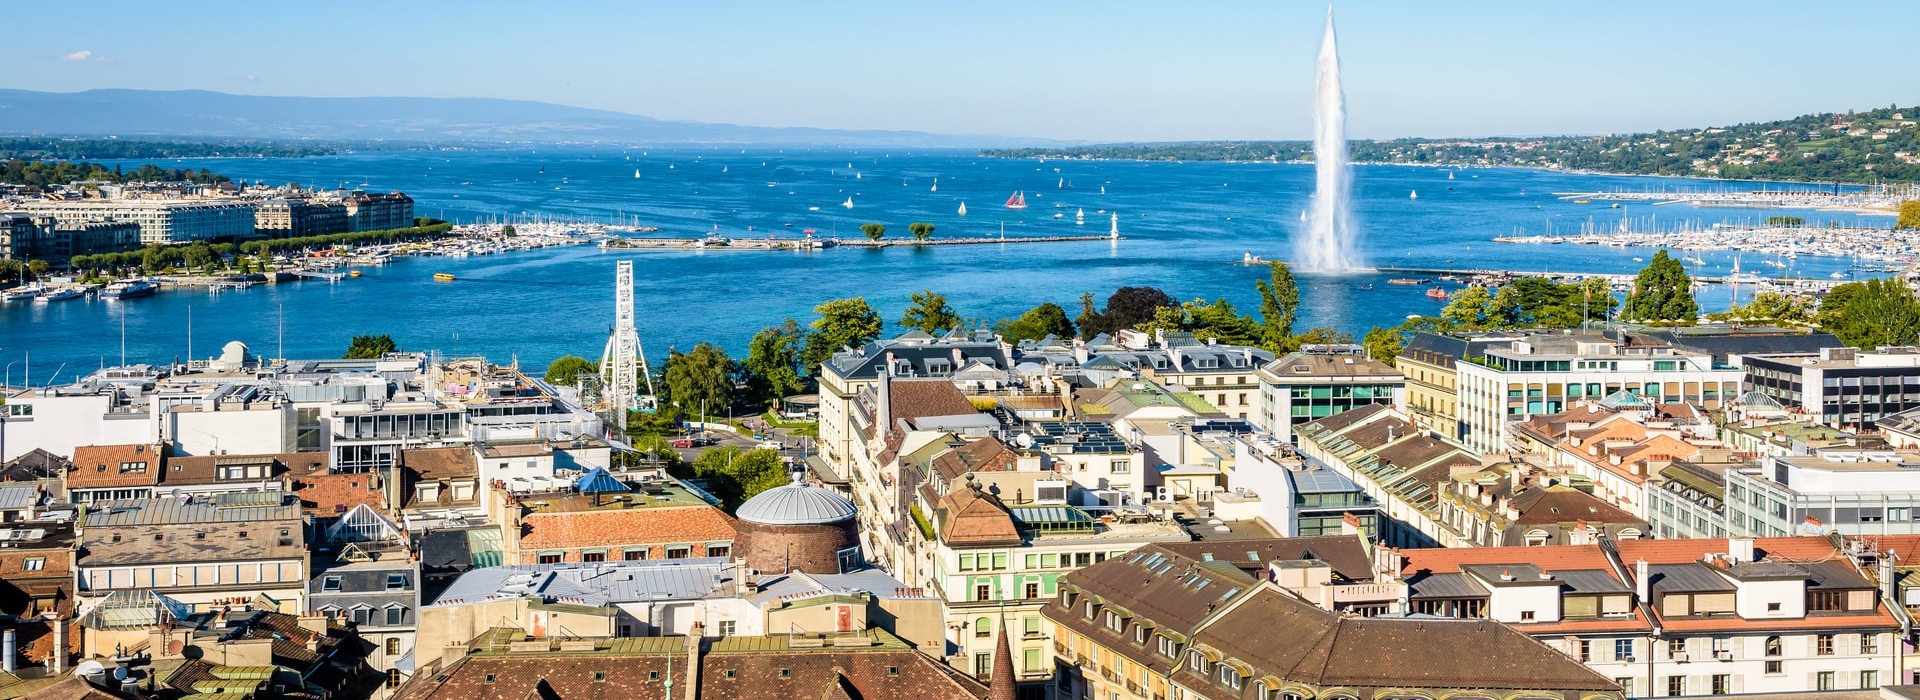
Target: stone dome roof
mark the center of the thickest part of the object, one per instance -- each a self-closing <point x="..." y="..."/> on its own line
<point x="796" y="504"/>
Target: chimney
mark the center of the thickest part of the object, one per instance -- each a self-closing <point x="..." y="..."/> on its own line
<point x="888" y="370"/>
<point x="882" y="401"/>
<point x="59" y="658"/>
<point x="1740" y="550"/>
<point x="1079" y="351"/>
<point x="693" y="662"/>
<point x="1641" y="586"/>
<point x="7" y="651"/>
<point x="1889" y="587"/>
<point x="452" y="654"/>
<point x="1349" y="524"/>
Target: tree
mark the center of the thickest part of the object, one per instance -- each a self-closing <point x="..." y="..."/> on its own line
<point x="929" y="312"/>
<point x="1909" y="214"/>
<point x="370" y="347"/>
<point x="1871" y="314"/>
<point x="738" y="475"/>
<point x="1037" y="323"/>
<point x="874" y="231"/>
<point x="1385" y="344"/>
<point x="842" y="323"/>
<point x="1279" y="305"/>
<point x="1471" y="308"/>
<point x="566" y="371"/>
<point x="1662" y="293"/>
<point x="1771" y="307"/>
<point x="921" y="230"/>
<point x="508" y="231"/>
<point x="38" y="267"/>
<point x="701" y="380"/>
<point x="773" y="362"/>
<point x="1322" y="335"/>
<point x="1221" y="322"/>
<point x="1128" y="307"/>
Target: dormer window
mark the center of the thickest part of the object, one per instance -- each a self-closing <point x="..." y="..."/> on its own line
<point x="1197" y="661"/>
<point x="1229" y="677"/>
<point x="1089" y="610"/>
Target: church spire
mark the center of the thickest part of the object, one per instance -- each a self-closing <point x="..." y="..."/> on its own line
<point x="1002" y="686"/>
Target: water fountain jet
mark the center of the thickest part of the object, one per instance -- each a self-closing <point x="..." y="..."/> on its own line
<point x="1330" y="243"/>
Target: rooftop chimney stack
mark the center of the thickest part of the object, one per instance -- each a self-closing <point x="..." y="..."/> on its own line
<point x="1641" y="585"/>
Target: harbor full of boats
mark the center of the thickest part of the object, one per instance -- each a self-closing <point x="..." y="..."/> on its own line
<point x="1888" y="246"/>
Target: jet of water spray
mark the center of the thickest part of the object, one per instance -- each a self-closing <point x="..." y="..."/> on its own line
<point x="1331" y="244"/>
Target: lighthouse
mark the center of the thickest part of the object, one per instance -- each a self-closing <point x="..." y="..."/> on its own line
<point x="1114" y="232"/>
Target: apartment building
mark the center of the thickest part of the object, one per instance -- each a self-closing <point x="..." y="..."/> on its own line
<point x="1398" y="464"/>
<point x="1322" y="380"/>
<point x="1429" y="363"/>
<point x="1850" y="491"/>
<point x="1165" y="622"/>
<point x="1843" y="387"/>
<point x="161" y="221"/>
<point x="1545" y="372"/>
<point x="195" y="550"/>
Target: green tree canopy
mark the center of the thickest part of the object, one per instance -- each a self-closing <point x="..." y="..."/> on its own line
<point x="738" y="475"/>
<point x="842" y="323"/>
<point x="921" y="230"/>
<point x="1662" y="293"/>
<point x="929" y="312"/>
<point x="370" y="347"/>
<point x="1279" y="305"/>
<point x="1221" y="322"/>
<point x="773" y="362"/>
<point x="1038" y="322"/>
<point x="874" y="231"/>
<point x="1385" y="344"/>
<point x="1771" y="307"/>
<point x="566" y="370"/>
<point x="1871" y="314"/>
<point x="1322" y="335"/>
<point x="1909" y="214"/>
<point x="701" y="379"/>
<point x="1128" y="307"/>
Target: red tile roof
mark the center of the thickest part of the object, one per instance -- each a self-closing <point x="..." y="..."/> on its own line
<point x="613" y="528"/>
<point x="98" y="466"/>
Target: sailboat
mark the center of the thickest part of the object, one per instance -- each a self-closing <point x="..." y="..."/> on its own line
<point x="936" y="185"/>
<point x="1103" y="189"/>
<point x="1062" y="185"/>
<point x="636" y="173"/>
<point x="1080" y="217"/>
<point x="856" y="176"/>
<point x="1413" y="195"/>
<point x="848" y="204"/>
<point x="1449" y="174"/>
<point x="963" y="208"/>
<point x="1017" y="201"/>
<point x="723" y="168"/>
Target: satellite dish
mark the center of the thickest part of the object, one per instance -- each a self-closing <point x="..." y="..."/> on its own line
<point x="1023" y="440"/>
<point x="89" y="668"/>
<point x="120" y="673"/>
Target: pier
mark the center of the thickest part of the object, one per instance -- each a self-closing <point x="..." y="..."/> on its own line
<point x="1491" y="277"/>
<point x="817" y="244"/>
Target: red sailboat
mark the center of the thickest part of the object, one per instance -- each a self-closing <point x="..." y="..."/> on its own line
<point x="1017" y="201"/>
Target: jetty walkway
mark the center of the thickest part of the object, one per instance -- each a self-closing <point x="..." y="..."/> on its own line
<point x="815" y="244"/>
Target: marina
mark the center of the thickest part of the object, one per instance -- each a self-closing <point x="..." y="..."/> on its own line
<point x="1882" y="198"/>
<point x="1890" y="246"/>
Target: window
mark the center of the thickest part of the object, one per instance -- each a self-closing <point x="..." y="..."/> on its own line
<point x="393" y="678"/>
<point x="1526" y="616"/>
<point x="722" y="551"/>
<point x="1623" y="649"/>
<point x="984" y="592"/>
<point x="1869" y="679"/>
<point x="1827" y="601"/>
<point x="982" y="665"/>
<point x="1030" y="626"/>
<point x="634" y="554"/>
<point x="361" y="615"/>
<point x="727" y="627"/>
<point x="1773" y="646"/>
<point x="601" y="676"/>
<point x="1197" y="662"/>
<point x="1676" y="686"/>
<point x="330" y="584"/>
<point x="1030" y="660"/>
<point x="1823" y="680"/>
<point x="1229" y="677"/>
<point x="34" y="564"/>
<point x="1626" y="685"/>
<point x="1774" y="667"/>
<point x="393" y="646"/>
<point x="1168" y="648"/>
<point x="1823" y="644"/>
<point x="982" y="627"/>
<point x="396" y="582"/>
<point x="1585" y="650"/>
<point x="966" y="562"/>
<point x="593" y="556"/>
<point x="1032" y="591"/>
<point x="1676" y="647"/>
<point x="396" y="615"/>
<point x="1088" y="610"/>
<point x="1773" y="607"/>
<point x="1121" y="466"/>
<point x="1722" y="684"/>
<point x="1139" y="635"/>
<point x="999" y="561"/>
<point x="549" y="559"/>
<point x="1869" y="644"/>
<point x="680" y="552"/>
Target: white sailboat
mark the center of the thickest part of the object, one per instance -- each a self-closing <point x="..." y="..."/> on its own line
<point x="1062" y="185"/>
<point x="936" y="185"/>
<point x="1080" y="217"/>
<point x="856" y="176"/>
<point x="723" y="168"/>
<point x="636" y="173"/>
<point x="1413" y="195"/>
<point x="1449" y="174"/>
<point x="963" y="208"/>
<point x="848" y="204"/>
<point x="1103" y="189"/>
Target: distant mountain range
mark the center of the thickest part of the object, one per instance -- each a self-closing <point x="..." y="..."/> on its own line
<point x="205" y="114"/>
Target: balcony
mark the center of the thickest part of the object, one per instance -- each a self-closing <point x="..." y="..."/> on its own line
<point x="1108" y="674"/>
<point x="1133" y="687"/>
<point x="1059" y="647"/>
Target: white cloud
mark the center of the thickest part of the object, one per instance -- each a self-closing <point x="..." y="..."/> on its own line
<point x="81" y="55"/>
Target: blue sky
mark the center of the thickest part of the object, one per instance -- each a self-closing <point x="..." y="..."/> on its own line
<point x="1083" y="71"/>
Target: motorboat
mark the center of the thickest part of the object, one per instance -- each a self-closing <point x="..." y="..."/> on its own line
<point x="61" y="294"/>
<point x="129" y="289"/>
<point x="26" y="293"/>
